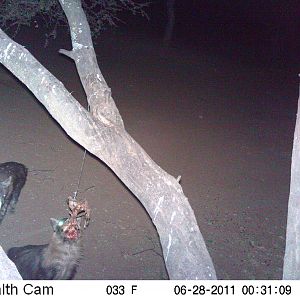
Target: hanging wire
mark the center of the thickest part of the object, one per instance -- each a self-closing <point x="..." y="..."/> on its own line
<point x="81" y="170"/>
<point x="80" y="175"/>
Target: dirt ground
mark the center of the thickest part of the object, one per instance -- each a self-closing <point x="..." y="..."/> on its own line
<point x="225" y="125"/>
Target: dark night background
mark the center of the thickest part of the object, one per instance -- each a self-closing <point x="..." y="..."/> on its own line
<point x="260" y="31"/>
<point x="217" y="107"/>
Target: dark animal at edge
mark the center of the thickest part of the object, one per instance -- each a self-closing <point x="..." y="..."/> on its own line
<point x="12" y="179"/>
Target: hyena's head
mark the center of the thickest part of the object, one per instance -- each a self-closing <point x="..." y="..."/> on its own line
<point x="67" y="229"/>
<point x="5" y="189"/>
<point x="57" y="224"/>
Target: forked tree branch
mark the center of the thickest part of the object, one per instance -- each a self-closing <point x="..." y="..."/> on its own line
<point x="98" y="93"/>
<point x="102" y="133"/>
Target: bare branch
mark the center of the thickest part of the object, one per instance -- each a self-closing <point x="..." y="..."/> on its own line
<point x="98" y="93"/>
<point x="67" y="53"/>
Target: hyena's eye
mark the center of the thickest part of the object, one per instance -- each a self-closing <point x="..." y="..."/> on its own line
<point x="61" y="222"/>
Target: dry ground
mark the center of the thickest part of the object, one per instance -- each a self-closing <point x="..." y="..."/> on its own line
<point x="225" y="126"/>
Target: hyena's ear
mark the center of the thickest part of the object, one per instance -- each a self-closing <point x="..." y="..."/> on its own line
<point x="54" y="223"/>
<point x="57" y="224"/>
<point x="6" y="183"/>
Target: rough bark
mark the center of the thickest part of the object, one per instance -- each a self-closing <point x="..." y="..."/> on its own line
<point x="8" y="270"/>
<point x="291" y="266"/>
<point x="101" y="132"/>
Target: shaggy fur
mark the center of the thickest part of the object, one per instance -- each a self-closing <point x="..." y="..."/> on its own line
<point x="57" y="260"/>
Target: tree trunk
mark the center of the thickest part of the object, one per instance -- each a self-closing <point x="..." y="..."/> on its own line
<point x="8" y="270"/>
<point x="291" y="266"/>
<point x="170" y="22"/>
<point x="101" y="131"/>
